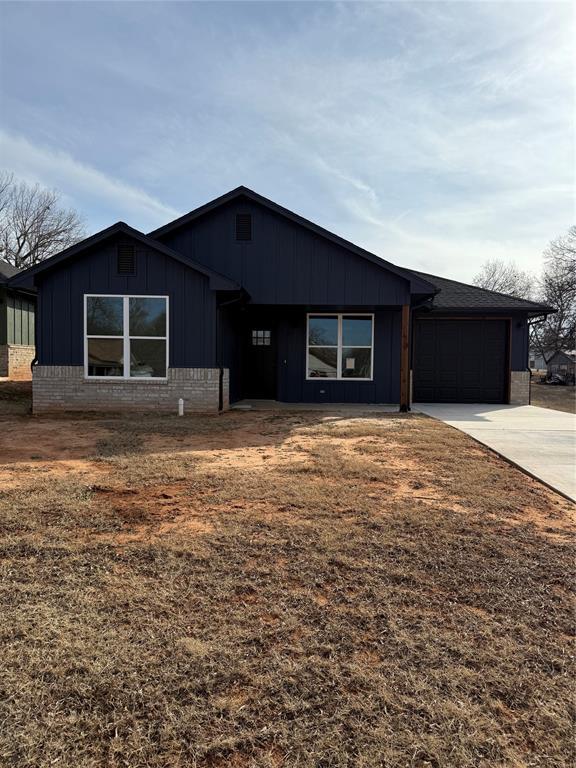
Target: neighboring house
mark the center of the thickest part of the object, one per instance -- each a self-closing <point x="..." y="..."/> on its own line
<point x="17" y="308"/>
<point x="562" y="363"/>
<point x="537" y="360"/>
<point x="243" y="299"/>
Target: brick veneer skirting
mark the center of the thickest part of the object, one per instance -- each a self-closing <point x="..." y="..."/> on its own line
<point x="519" y="387"/>
<point x="15" y="360"/>
<point x="64" y="388"/>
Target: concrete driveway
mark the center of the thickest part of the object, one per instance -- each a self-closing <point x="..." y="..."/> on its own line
<point x="539" y="440"/>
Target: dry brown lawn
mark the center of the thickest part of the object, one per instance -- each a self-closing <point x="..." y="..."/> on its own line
<point x="555" y="397"/>
<point x="15" y="397"/>
<point x="278" y="590"/>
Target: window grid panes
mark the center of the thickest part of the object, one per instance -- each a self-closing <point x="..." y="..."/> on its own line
<point x="340" y="346"/>
<point x="261" y="338"/>
<point x="126" y="337"/>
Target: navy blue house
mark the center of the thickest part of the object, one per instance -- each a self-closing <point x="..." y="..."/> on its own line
<point x="243" y="299"/>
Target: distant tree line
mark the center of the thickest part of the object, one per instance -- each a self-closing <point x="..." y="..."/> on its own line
<point x="556" y="287"/>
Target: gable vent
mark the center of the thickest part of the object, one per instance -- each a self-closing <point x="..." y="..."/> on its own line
<point x="243" y="226"/>
<point x="126" y="259"/>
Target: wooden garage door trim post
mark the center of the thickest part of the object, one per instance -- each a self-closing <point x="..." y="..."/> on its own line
<point x="509" y="360"/>
<point x="405" y="360"/>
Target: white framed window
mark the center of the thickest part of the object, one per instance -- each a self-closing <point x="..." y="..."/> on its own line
<point x="340" y="346"/>
<point x="125" y="337"/>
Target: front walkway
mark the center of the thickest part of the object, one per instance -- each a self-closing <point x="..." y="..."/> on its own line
<point x="540" y="441"/>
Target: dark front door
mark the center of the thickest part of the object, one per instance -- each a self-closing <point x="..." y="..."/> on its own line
<point x="460" y="361"/>
<point x="259" y="364"/>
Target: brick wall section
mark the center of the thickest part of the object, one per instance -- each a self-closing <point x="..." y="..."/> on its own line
<point x="64" y="388"/>
<point x="19" y="360"/>
<point x="519" y="388"/>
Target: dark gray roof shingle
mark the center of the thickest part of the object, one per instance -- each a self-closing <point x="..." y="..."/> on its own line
<point x="455" y="295"/>
<point x="7" y="271"/>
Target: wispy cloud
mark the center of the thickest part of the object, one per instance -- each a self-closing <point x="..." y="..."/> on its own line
<point x="436" y="134"/>
<point x="55" y="168"/>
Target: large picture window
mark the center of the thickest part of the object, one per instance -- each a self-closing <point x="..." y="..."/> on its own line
<point x="126" y="337"/>
<point x="340" y="346"/>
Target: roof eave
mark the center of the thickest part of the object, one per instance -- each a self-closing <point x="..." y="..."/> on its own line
<point x="534" y="311"/>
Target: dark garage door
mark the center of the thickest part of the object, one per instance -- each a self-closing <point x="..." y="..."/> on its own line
<point x="460" y="361"/>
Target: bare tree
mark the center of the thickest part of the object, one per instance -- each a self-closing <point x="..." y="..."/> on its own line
<point x="561" y="252"/>
<point x="558" y="290"/>
<point x="6" y="182"/>
<point x="505" y="277"/>
<point x="33" y="224"/>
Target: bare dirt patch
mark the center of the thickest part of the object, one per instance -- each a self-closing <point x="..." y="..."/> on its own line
<point x="151" y="512"/>
<point x="46" y="448"/>
<point x="15" y="398"/>
<point x="293" y="589"/>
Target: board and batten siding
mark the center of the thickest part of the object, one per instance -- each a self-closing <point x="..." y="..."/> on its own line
<point x="289" y="327"/>
<point x="519" y="342"/>
<point x="285" y="263"/>
<point x="294" y="387"/>
<point x="192" y="315"/>
<point x="18" y="326"/>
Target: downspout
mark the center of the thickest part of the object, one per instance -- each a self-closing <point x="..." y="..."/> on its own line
<point x="530" y="324"/>
<point x="36" y="337"/>
<point x="219" y="361"/>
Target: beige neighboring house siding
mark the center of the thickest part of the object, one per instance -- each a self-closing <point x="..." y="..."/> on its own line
<point x="16" y="361"/>
<point x="17" y="339"/>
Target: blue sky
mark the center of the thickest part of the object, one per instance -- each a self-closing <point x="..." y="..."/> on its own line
<point x="435" y="134"/>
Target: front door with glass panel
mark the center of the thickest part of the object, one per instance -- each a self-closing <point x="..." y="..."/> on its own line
<point x="259" y="365"/>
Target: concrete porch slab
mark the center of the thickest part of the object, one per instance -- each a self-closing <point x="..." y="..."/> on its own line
<point x="275" y="405"/>
<point x="540" y="441"/>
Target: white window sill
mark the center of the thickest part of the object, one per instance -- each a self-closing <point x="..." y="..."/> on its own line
<point x="132" y="379"/>
<point x="321" y="379"/>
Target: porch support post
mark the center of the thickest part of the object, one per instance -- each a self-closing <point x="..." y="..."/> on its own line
<point x="405" y="360"/>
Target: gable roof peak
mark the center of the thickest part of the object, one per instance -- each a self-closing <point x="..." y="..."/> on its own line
<point x="418" y="284"/>
<point x="217" y="281"/>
